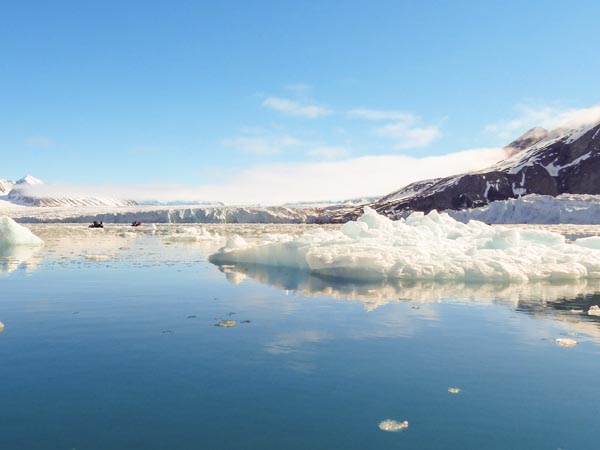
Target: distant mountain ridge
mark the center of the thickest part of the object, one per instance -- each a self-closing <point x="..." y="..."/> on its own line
<point x="20" y="193"/>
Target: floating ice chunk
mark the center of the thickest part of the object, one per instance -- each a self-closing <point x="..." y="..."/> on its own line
<point x="235" y="242"/>
<point x="393" y="425"/>
<point x="13" y="234"/>
<point x="594" y="310"/>
<point x="454" y="390"/>
<point x="97" y="257"/>
<point x="589" y="242"/>
<point x="193" y="234"/>
<point x="422" y="247"/>
<point x="226" y="323"/>
<point x="565" y="342"/>
<point x="1" y="327"/>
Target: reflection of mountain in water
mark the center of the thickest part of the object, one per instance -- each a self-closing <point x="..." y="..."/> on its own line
<point x="531" y="297"/>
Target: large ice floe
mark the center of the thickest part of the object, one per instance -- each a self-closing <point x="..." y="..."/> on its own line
<point x="12" y="234"/>
<point x="421" y="247"/>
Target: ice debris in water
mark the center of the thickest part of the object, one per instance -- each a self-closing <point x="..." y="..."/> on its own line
<point x="565" y="342"/>
<point x="13" y="234"/>
<point x="422" y="247"/>
<point x="454" y="390"/>
<point x="1" y="327"/>
<point x="594" y="310"/>
<point x="96" y="257"/>
<point x="193" y="234"/>
<point x="226" y="323"/>
<point x="393" y="425"/>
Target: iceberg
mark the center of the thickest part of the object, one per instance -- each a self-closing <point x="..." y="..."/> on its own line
<point x="12" y="234"/>
<point x="421" y="247"/>
<point x="565" y="342"/>
<point x="393" y="425"/>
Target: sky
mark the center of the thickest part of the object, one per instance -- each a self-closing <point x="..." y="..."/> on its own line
<point x="274" y="101"/>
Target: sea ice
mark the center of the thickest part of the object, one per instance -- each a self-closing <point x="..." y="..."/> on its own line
<point x="565" y="342"/>
<point x="96" y="257"/>
<point x="192" y="234"/>
<point x="393" y="425"/>
<point x="13" y="234"/>
<point x="1" y="327"/>
<point x="421" y="247"/>
<point x="594" y="310"/>
<point x="454" y="390"/>
<point x="226" y="323"/>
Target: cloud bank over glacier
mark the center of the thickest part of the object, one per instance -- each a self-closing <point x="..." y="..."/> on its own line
<point x="277" y="183"/>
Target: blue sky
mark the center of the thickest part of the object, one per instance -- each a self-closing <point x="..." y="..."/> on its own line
<point x="202" y="94"/>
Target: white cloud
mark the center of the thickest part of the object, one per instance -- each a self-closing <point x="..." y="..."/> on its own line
<point x="548" y="117"/>
<point x="263" y="145"/>
<point x="294" y="108"/>
<point x="290" y="182"/>
<point x="326" y="152"/>
<point x="405" y="135"/>
<point x="379" y="114"/>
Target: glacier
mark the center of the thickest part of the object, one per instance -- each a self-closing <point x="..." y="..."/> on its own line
<point x="421" y="247"/>
<point x="536" y="209"/>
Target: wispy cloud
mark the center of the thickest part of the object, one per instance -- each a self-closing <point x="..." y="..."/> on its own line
<point x="381" y="114"/>
<point x="404" y="128"/>
<point x="405" y="135"/>
<point x="550" y="117"/>
<point x="326" y="152"/>
<point x="40" y="142"/>
<point x="263" y="145"/>
<point x="298" y="88"/>
<point x="294" y="108"/>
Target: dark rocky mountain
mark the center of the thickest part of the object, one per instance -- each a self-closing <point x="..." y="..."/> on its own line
<point x="539" y="162"/>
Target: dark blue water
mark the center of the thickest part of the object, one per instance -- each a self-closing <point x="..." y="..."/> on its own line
<point x="121" y="355"/>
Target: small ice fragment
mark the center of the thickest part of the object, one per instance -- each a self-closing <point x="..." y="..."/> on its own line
<point x="576" y="311"/>
<point x="565" y="342"/>
<point x="594" y="310"/>
<point x="226" y="323"/>
<point x="392" y="425"/>
<point x="1" y="327"/>
<point x="92" y="257"/>
<point x="454" y="390"/>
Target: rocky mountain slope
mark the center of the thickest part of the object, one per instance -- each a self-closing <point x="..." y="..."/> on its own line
<point x="564" y="161"/>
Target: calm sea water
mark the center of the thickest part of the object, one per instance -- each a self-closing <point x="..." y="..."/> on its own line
<point x="110" y="343"/>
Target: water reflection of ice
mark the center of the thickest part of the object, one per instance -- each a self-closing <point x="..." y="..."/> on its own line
<point x="374" y="294"/>
<point x="566" y="302"/>
<point x="19" y="257"/>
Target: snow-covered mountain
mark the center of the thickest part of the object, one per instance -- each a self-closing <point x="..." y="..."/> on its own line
<point x="564" y="161"/>
<point x="5" y="186"/>
<point x="27" y="192"/>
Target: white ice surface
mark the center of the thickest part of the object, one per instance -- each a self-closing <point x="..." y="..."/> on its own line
<point x="422" y="247"/>
<point x="12" y="234"/>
